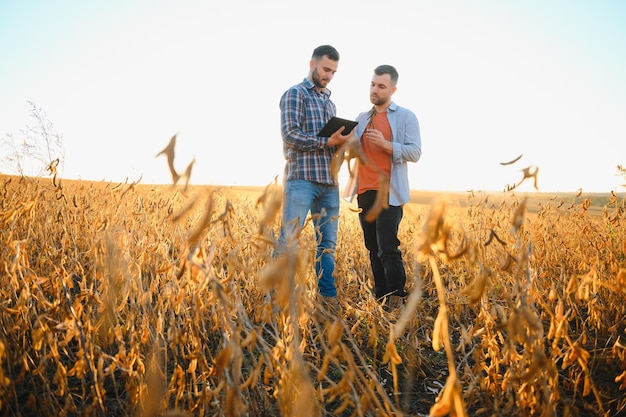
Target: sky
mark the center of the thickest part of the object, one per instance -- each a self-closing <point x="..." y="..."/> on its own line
<point x="488" y="80"/>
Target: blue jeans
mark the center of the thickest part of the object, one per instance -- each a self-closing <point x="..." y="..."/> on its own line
<point x="322" y="201"/>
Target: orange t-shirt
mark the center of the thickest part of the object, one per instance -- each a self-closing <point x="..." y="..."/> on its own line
<point x="369" y="177"/>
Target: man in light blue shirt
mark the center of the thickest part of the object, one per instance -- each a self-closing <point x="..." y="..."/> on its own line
<point x="389" y="138"/>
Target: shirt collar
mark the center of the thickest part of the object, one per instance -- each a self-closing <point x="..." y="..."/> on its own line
<point x="310" y="86"/>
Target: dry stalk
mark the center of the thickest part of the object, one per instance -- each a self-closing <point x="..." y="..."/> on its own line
<point x="93" y="290"/>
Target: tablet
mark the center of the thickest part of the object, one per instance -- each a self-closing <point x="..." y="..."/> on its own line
<point x="334" y="124"/>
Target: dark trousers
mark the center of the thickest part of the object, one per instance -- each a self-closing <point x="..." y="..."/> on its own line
<point x="381" y="240"/>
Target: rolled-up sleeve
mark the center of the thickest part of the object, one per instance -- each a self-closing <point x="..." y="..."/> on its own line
<point x="407" y="146"/>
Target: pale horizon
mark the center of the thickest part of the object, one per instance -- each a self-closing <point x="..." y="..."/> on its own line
<point x="488" y="82"/>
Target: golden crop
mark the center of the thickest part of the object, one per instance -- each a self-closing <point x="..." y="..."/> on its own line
<point x="138" y="300"/>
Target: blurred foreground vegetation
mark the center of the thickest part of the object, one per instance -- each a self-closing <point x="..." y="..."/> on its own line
<point x="138" y="300"/>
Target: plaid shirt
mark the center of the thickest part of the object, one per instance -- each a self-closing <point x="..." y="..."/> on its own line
<point x="303" y="113"/>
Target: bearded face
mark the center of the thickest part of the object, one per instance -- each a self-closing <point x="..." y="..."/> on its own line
<point x="323" y="71"/>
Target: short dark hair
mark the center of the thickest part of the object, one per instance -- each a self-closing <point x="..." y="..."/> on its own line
<point x="387" y="69"/>
<point x="327" y="50"/>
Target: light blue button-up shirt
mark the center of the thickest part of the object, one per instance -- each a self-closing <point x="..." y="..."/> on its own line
<point x="407" y="147"/>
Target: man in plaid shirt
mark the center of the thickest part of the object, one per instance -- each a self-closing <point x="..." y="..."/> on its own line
<point x="309" y="184"/>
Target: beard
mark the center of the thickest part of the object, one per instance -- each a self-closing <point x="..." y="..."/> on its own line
<point x="378" y="101"/>
<point x="319" y="83"/>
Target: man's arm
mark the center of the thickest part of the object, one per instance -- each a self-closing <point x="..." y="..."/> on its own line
<point x="409" y="148"/>
<point x="292" y="119"/>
